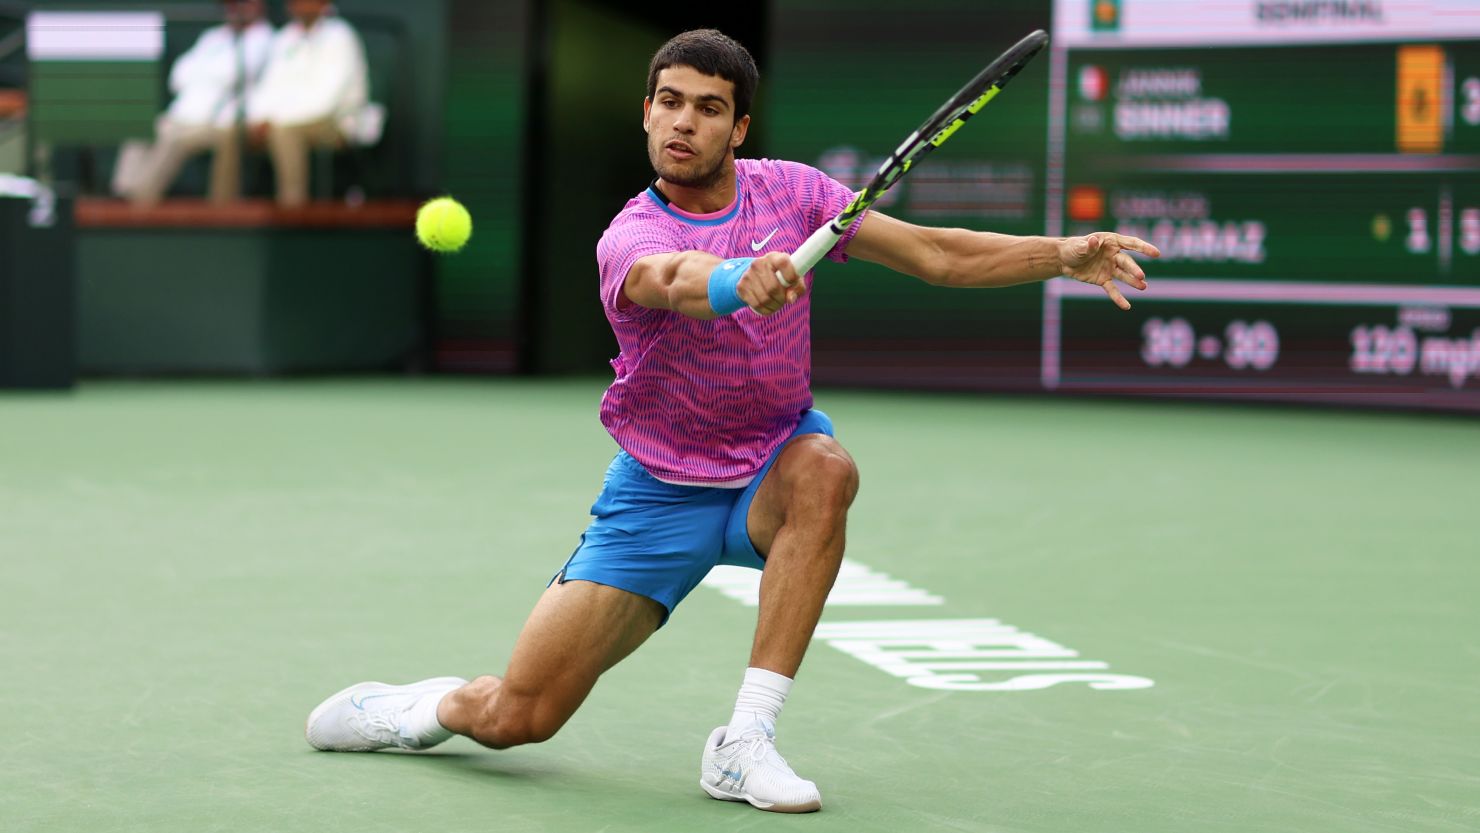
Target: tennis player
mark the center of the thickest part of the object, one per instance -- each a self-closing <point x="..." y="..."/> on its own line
<point x="723" y="458"/>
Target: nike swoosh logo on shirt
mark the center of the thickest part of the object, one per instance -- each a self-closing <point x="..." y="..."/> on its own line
<point x="755" y="247"/>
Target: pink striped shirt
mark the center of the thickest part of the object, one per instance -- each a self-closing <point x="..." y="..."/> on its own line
<point x="707" y="402"/>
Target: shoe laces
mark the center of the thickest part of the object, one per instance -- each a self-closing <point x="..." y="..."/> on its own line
<point x="760" y="746"/>
<point x="379" y="726"/>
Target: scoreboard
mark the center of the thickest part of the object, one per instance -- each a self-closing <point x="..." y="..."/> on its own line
<point x="1311" y="174"/>
<point x="1310" y="170"/>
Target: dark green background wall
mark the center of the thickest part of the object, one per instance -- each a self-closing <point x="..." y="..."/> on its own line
<point x="588" y="155"/>
<point x="871" y="325"/>
<point x="486" y="65"/>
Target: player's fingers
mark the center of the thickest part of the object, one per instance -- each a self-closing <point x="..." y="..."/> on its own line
<point x="780" y="277"/>
<point x="1092" y="244"/>
<point x="778" y="294"/>
<point x="761" y="278"/>
<point x="1129" y="272"/>
<point x="771" y="283"/>
<point x="1131" y="280"/>
<point x="748" y="293"/>
<point x="786" y="271"/>
<point x="768" y="296"/>
<point x="796" y="291"/>
<point x="1136" y="244"/>
<point x="1115" y="295"/>
<point x="760" y="297"/>
<point x="1129" y="264"/>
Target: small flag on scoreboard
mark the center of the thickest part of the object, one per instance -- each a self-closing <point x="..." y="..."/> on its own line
<point x="1094" y="82"/>
<point x="1086" y="203"/>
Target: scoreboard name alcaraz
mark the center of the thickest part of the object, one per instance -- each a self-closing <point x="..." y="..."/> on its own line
<point x="1183" y="227"/>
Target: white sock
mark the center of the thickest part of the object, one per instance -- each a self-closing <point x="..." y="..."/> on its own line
<point x="420" y="721"/>
<point x="759" y="704"/>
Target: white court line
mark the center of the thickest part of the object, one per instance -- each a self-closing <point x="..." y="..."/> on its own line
<point x="857" y="585"/>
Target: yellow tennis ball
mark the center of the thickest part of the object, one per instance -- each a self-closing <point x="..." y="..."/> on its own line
<point x="443" y="225"/>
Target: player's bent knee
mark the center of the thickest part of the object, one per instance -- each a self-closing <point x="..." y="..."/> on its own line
<point x="833" y="467"/>
<point x="824" y="470"/>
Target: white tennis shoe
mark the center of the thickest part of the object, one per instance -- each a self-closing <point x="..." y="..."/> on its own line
<point x="370" y="716"/>
<point x="750" y="769"/>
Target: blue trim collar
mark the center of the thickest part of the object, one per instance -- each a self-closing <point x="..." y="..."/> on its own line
<point x="662" y="203"/>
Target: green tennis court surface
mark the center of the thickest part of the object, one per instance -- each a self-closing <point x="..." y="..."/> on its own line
<point x="190" y="567"/>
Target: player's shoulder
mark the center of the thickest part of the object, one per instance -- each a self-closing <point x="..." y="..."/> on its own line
<point x="641" y="215"/>
<point x="639" y="209"/>
<point x="781" y="171"/>
<point x="780" y="180"/>
<point x="778" y="184"/>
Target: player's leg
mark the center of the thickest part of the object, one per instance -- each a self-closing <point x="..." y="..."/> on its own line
<point x="577" y="631"/>
<point x="792" y="522"/>
<point x="648" y="546"/>
<point x="797" y="522"/>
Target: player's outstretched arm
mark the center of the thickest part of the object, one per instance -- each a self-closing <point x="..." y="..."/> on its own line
<point x="963" y="258"/>
<point x="702" y="285"/>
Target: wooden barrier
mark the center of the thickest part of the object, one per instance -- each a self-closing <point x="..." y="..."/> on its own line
<point x="254" y="213"/>
<point x="249" y="288"/>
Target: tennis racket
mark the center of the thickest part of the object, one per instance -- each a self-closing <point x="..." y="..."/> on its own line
<point x="932" y="134"/>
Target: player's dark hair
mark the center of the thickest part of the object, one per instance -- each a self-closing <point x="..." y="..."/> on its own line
<point x="711" y="52"/>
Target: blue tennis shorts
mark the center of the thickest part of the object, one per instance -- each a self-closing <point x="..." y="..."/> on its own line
<point x="659" y="540"/>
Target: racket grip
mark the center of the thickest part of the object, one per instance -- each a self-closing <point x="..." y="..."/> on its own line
<point x="811" y="253"/>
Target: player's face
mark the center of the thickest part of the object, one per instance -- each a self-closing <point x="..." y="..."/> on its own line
<point x="691" y="126"/>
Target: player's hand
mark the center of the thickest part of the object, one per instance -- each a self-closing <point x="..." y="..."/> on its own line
<point x="770" y="283"/>
<point x="1102" y="258"/>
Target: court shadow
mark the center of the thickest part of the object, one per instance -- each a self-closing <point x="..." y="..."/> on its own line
<point x="536" y="771"/>
<point x="490" y="764"/>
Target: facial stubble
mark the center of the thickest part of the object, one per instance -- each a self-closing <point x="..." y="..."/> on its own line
<point x="699" y="179"/>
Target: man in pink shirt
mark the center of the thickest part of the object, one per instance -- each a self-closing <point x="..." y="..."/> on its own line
<point x="723" y="458"/>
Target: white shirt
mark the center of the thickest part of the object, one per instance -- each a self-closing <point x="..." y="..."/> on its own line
<point x="312" y="75"/>
<point x="206" y="80"/>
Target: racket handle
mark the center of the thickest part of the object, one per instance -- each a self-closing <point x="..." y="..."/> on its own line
<point x="811" y="253"/>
